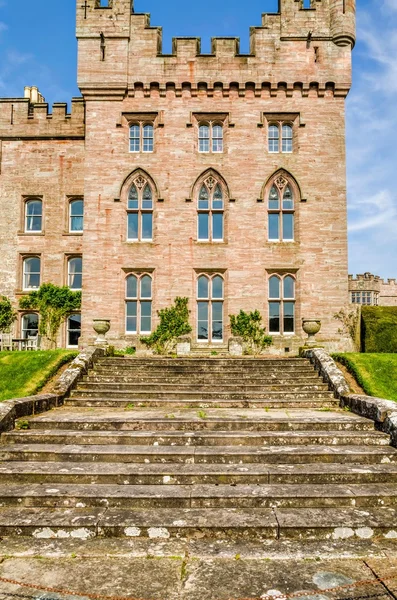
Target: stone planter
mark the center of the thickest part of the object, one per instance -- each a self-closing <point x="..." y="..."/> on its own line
<point x="311" y="327"/>
<point x="101" y="327"/>
<point x="183" y="345"/>
<point x="236" y="346"/>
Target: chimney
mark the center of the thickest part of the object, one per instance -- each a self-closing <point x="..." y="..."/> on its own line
<point x="33" y="94"/>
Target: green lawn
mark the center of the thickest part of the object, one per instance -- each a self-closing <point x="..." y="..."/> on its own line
<point x="25" y="373"/>
<point x="375" y="373"/>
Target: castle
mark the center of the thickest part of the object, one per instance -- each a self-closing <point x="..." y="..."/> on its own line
<point x="371" y="290"/>
<point x="220" y="177"/>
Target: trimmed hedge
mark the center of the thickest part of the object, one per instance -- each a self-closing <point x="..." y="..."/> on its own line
<point x="379" y="329"/>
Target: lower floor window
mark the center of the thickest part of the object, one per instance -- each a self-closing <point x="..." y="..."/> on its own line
<point x="210" y="308"/>
<point x="281" y="304"/>
<point x="138" y="304"/>
<point x="30" y="325"/>
<point x="74" y="330"/>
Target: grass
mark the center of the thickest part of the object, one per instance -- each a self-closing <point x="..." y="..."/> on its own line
<point x="26" y="373"/>
<point x="375" y="373"/>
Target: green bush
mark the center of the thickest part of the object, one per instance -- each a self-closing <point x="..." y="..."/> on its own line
<point x="174" y="322"/>
<point x="7" y="314"/>
<point x="248" y="326"/>
<point x="379" y="329"/>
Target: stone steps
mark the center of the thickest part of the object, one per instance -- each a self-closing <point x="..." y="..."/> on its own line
<point x="236" y="524"/>
<point x="199" y="454"/>
<point x="173" y="474"/>
<point x="319" y="402"/>
<point x="122" y="388"/>
<point x="203" y="438"/>
<point x="195" y="378"/>
<point x="198" y="496"/>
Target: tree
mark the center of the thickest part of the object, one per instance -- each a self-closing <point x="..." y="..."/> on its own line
<point x="174" y="322"/>
<point x="7" y="314"/>
<point x="54" y="304"/>
<point x="248" y="326"/>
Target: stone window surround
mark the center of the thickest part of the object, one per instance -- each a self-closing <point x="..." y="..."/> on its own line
<point x="281" y="275"/>
<point x="154" y="118"/>
<point x="140" y="181"/>
<point x="69" y="200"/>
<point x="218" y="180"/>
<point x="139" y="274"/>
<point x="22" y="225"/>
<point x="211" y="119"/>
<point x="68" y="257"/>
<point x="210" y="274"/>
<point x="21" y="275"/>
<point x="297" y="198"/>
<point x="293" y="119"/>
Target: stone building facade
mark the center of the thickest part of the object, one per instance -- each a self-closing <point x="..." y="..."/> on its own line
<point x="220" y="177"/>
<point x="371" y="290"/>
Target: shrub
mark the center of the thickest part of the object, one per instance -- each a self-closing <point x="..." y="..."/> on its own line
<point x="248" y="326"/>
<point x="379" y="328"/>
<point x="54" y="304"/>
<point x="174" y="322"/>
<point x="7" y="314"/>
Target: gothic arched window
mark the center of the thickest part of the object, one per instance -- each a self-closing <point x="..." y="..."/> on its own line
<point x="281" y="211"/>
<point x="140" y="210"/>
<point x="281" y="304"/>
<point x="210" y="296"/>
<point x="210" y="209"/>
<point x="138" y="304"/>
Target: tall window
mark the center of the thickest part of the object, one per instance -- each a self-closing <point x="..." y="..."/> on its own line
<point x="33" y="216"/>
<point x="76" y="216"/>
<point x="140" y="211"/>
<point x="281" y="211"/>
<point x="31" y="273"/>
<point x="73" y="330"/>
<point x="75" y="273"/>
<point x="281" y="304"/>
<point x="210" y="308"/>
<point x="283" y="131"/>
<point x="138" y="304"/>
<point x="30" y="325"/>
<point x="210" y="207"/>
<point x="210" y="137"/>
<point x="141" y="137"/>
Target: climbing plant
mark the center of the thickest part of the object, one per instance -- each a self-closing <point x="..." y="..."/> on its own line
<point x="174" y="322"/>
<point x="7" y="314"/>
<point x="54" y="304"/>
<point x="248" y="326"/>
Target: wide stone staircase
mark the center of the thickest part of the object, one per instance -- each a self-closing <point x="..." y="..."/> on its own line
<point x="199" y="448"/>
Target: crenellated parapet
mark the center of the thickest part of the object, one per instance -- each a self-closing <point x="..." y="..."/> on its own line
<point x="119" y="51"/>
<point x="22" y="119"/>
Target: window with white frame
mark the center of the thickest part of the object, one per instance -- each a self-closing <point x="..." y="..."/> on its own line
<point x="30" y="325"/>
<point x="76" y="216"/>
<point x="210" y="209"/>
<point x="33" y="216"/>
<point x="138" y="304"/>
<point x="281" y="211"/>
<point x="280" y="132"/>
<point x="73" y="330"/>
<point x="75" y="273"/>
<point x="140" y="211"/>
<point x="210" y="137"/>
<point x="366" y="298"/>
<point x="31" y="273"/>
<point x="210" y="298"/>
<point x="141" y="137"/>
<point x="281" y="304"/>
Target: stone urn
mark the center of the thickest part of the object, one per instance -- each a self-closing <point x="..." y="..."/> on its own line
<point x="101" y="327"/>
<point x="311" y="327"/>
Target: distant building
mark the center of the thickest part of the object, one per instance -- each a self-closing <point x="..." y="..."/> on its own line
<point x="371" y="290"/>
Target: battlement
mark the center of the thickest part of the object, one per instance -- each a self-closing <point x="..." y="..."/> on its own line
<point x="22" y="119"/>
<point x="119" y="48"/>
<point x="368" y="278"/>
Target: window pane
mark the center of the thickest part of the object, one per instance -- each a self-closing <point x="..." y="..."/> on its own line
<point x="217" y="138"/>
<point x="273" y="138"/>
<point x="274" y="287"/>
<point x="204" y="138"/>
<point x="274" y="199"/>
<point x="146" y="287"/>
<point x="32" y="273"/>
<point x="217" y="321"/>
<point x="289" y="312"/>
<point x="33" y="215"/>
<point x="217" y="199"/>
<point x="288" y="226"/>
<point x="203" y="198"/>
<point x="287" y="145"/>
<point x="75" y="267"/>
<point x="217" y="287"/>
<point x="132" y="287"/>
<point x="202" y="287"/>
<point x="274" y="226"/>
<point x="131" y="317"/>
<point x="203" y="219"/>
<point x="147" y="197"/>
<point x="133" y="200"/>
<point x="76" y="215"/>
<point x="74" y="330"/>
<point x="134" y="138"/>
<point x="289" y="287"/>
<point x="148" y="138"/>
<point x="76" y="224"/>
<point x="288" y="203"/>
<point x="217" y="226"/>
<point x="30" y="325"/>
<point x="274" y="317"/>
<point x="287" y="138"/>
<point x="147" y="226"/>
<point x="202" y="320"/>
<point x="132" y="219"/>
<point x="146" y="317"/>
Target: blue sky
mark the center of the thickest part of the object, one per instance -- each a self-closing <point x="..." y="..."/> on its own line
<point x="38" y="47"/>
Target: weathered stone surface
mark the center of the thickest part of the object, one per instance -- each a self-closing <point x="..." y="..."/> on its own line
<point x="327" y="368"/>
<point x="80" y="365"/>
